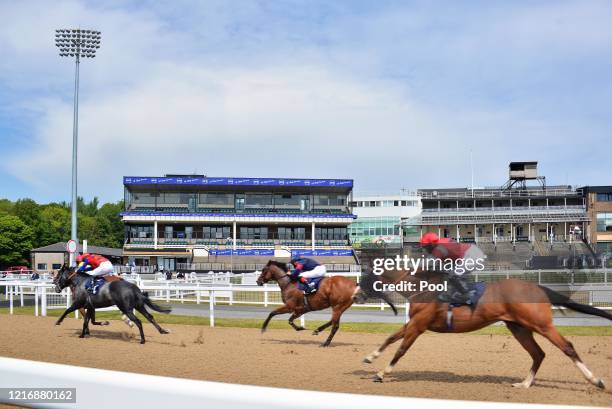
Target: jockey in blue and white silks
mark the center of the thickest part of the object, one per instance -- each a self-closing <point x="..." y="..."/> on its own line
<point x="306" y="269"/>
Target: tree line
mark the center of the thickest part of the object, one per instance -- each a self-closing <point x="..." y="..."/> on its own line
<point x="25" y="224"/>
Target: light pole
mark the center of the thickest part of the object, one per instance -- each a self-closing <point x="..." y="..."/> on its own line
<point x="77" y="43"/>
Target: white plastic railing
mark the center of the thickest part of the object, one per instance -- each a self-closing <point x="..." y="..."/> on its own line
<point x="98" y="388"/>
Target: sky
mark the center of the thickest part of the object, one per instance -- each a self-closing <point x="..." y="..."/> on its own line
<point x="391" y="94"/>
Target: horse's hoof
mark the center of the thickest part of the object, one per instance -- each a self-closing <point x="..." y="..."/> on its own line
<point x="105" y="323"/>
<point x="315" y="332"/>
<point x="520" y="385"/>
<point x="377" y="378"/>
<point x="367" y="360"/>
<point x="81" y="336"/>
<point x="58" y="323"/>
<point x="300" y="329"/>
<point x="325" y="345"/>
<point x="164" y="331"/>
<point x="263" y="330"/>
<point x="601" y="384"/>
<point x="142" y="341"/>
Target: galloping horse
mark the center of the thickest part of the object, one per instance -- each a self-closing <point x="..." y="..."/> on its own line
<point x="125" y="295"/>
<point x="524" y="307"/>
<point x="335" y="292"/>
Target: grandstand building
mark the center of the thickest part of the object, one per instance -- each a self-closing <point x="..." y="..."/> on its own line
<point x="379" y="218"/>
<point x="219" y="223"/>
<point x="513" y="212"/>
<point x="599" y="211"/>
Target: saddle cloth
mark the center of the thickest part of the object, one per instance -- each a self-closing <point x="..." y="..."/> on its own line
<point x="316" y="281"/>
<point x="477" y="289"/>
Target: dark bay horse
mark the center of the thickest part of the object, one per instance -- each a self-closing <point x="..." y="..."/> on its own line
<point x="125" y="295"/>
<point x="524" y="307"/>
<point x="335" y="292"/>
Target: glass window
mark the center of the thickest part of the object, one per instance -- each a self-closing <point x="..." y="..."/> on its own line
<point x="216" y="199"/>
<point x="604" y="197"/>
<point x="56" y="266"/>
<point x="604" y="222"/>
<point x="41" y="266"/>
<point x="258" y="200"/>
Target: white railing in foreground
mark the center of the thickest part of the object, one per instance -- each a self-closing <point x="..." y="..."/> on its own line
<point x="98" y="388"/>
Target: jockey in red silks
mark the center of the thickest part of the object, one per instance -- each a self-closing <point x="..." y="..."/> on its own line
<point x="446" y="249"/>
<point x="96" y="266"/>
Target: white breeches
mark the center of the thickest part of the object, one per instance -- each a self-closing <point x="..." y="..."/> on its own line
<point x="102" y="270"/>
<point x="318" y="271"/>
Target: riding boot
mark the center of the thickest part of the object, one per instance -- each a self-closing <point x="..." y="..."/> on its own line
<point x="463" y="293"/>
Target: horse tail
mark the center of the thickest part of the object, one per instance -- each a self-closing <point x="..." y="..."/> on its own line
<point x="563" y="300"/>
<point x="152" y="305"/>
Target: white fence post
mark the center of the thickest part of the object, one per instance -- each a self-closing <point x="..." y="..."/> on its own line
<point x="167" y="292"/>
<point x="406" y="312"/>
<point x="197" y="293"/>
<point x="21" y="295"/>
<point x="36" y="295"/>
<point x="265" y="295"/>
<point x="231" y="297"/>
<point x="10" y="300"/>
<point x="43" y="301"/>
<point x="211" y="307"/>
<point x="303" y="320"/>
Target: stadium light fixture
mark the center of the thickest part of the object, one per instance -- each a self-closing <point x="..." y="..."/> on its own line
<point x="77" y="43"/>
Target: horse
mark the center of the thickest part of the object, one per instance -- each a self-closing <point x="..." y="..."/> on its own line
<point x="125" y="295"/>
<point x="335" y="292"/>
<point x="524" y="307"/>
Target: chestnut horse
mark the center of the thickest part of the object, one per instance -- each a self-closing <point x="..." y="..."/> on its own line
<point x="335" y="292"/>
<point x="524" y="307"/>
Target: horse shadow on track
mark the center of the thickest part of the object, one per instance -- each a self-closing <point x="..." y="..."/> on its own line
<point x="304" y="342"/>
<point x="102" y="334"/>
<point x="450" y="377"/>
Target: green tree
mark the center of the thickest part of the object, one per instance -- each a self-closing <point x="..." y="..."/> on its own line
<point x="16" y="239"/>
<point x="28" y="211"/>
<point x="54" y="225"/>
<point x="6" y="206"/>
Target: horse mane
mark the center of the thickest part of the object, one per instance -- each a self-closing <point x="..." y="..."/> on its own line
<point x="282" y="266"/>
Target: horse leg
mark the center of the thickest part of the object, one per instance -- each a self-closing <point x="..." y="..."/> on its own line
<point x="284" y="309"/>
<point x="150" y="318"/>
<point x="70" y="309"/>
<point x="525" y="337"/>
<point x="551" y="333"/>
<point x="130" y="314"/>
<point x="86" y="319"/>
<point x="337" y="311"/>
<point x="93" y="319"/>
<point x="322" y="327"/>
<point x="393" y="338"/>
<point x="411" y="334"/>
<point x="293" y="317"/>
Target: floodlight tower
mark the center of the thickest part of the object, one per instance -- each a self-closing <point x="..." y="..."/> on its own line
<point x="76" y="43"/>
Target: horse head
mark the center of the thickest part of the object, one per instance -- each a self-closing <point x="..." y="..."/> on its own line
<point x="63" y="278"/>
<point x="272" y="271"/>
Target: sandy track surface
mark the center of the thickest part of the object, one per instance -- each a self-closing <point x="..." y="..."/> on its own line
<point x="475" y="367"/>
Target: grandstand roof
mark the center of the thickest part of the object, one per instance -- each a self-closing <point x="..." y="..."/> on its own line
<point x="231" y="183"/>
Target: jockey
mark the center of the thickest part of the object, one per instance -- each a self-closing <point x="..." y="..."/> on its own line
<point x="94" y="265"/>
<point x="305" y="269"/>
<point x="443" y="248"/>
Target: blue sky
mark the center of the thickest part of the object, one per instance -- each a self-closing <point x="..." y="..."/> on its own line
<point x="392" y="94"/>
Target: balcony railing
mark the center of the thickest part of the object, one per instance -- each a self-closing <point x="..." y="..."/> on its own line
<point x="498" y="193"/>
<point x="514" y="209"/>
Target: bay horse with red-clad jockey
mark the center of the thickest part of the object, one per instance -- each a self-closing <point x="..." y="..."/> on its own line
<point x="335" y="292"/>
<point x="523" y="306"/>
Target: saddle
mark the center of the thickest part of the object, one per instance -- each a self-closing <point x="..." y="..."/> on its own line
<point x="316" y="281"/>
<point x="111" y="278"/>
<point x="476" y="290"/>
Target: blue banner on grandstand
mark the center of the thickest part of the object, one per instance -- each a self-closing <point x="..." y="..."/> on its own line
<point x="321" y="253"/>
<point x="131" y="180"/>
<point x="238" y="215"/>
<point x="242" y="252"/>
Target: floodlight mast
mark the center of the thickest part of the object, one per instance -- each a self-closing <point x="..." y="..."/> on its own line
<point x="76" y="43"/>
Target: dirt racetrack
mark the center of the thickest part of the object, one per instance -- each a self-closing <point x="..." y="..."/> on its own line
<point x="474" y="367"/>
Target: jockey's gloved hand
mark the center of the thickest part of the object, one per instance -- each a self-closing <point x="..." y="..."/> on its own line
<point x="303" y="280"/>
